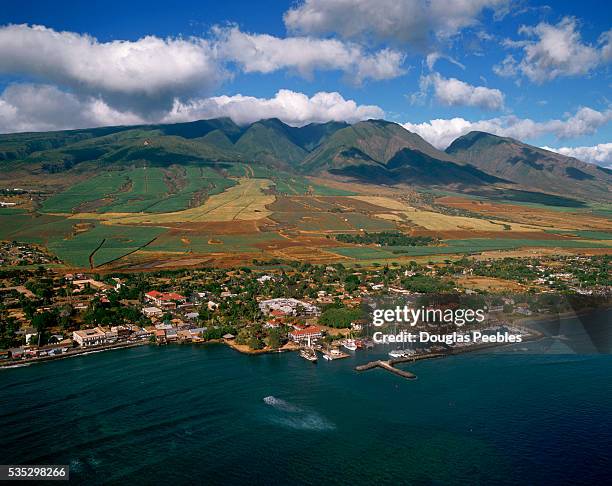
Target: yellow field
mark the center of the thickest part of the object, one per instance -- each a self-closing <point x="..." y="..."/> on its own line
<point x="397" y="210"/>
<point x="245" y="201"/>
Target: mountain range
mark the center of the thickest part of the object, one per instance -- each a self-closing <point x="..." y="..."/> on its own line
<point x="372" y="151"/>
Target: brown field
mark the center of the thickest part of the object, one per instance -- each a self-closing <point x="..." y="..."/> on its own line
<point x="436" y="221"/>
<point x="491" y="284"/>
<point x="529" y="215"/>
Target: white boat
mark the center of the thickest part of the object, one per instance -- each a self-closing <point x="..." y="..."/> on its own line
<point x="350" y="344"/>
<point x="309" y="354"/>
<point x="327" y="357"/>
<point x="401" y="353"/>
<point x="397" y="353"/>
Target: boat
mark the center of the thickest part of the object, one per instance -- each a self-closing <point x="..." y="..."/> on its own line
<point x="401" y="353"/>
<point x="309" y="354"/>
<point x="397" y="353"/>
<point x="350" y="344"/>
<point x="327" y="357"/>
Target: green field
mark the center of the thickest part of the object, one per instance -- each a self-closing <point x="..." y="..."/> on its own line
<point x="199" y="243"/>
<point x="116" y="241"/>
<point x="197" y="180"/>
<point x="473" y="245"/>
<point x="90" y="190"/>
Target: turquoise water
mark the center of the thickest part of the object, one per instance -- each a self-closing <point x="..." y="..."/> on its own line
<point x="209" y="415"/>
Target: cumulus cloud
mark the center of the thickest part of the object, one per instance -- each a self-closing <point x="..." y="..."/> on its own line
<point x="30" y="107"/>
<point x="292" y="108"/>
<point x="454" y="92"/>
<point x="550" y="51"/>
<point x="600" y="154"/>
<point x="265" y="53"/>
<point x="151" y="67"/>
<point x="401" y="21"/>
<point x="441" y="132"/>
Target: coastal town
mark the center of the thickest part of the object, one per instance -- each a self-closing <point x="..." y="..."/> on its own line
<point x="46" y="312"/>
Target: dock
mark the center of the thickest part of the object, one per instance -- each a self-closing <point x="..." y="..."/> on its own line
<point x="386" y="365"/>
<point x="337" y="355"/>
<point x="389" y="365"/>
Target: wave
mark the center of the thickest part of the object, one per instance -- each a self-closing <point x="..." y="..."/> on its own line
<point x="295" y="417"/>
<point x="21" y="365"/>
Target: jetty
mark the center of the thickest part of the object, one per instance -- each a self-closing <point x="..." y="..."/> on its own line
<point x="389" y="365"/>
<point x="386" y="365"/>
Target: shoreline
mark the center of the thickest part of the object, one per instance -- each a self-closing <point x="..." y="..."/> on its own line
<point x="71" y="354"/>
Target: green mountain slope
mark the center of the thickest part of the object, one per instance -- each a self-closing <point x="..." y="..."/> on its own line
<point x="532" y="167"/>
<point x="370" y="141"/>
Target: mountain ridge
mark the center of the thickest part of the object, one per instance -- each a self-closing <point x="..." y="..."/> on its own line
<point x="370" y="151"/>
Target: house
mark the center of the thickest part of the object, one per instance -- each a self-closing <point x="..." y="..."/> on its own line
<point x="89" y="337"/>
<point x="184" y="335"/>
<point x="311" y="332"/>
<point x="171" y="335"/>
<point x="165" y="300"/>
<point x="123" y="332"/>
<point x="152" y="312"/>
<point x="160" y="335"/>
<point x="30" y="333"/>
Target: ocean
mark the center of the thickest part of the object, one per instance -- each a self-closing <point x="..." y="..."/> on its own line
<point x="203" y="414"/>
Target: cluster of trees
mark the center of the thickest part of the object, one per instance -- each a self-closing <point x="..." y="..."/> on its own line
<point x="386" y="238"/>
<point x="339" y="316"/>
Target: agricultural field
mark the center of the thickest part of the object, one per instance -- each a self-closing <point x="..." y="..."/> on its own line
<point x="397" y="210"/>
<point x="231" y="213"/>
<point x="557" y="218"/>
<point x="245" y="201"/>
<point x="103" y="244"/>
<point x="94" y="189"/>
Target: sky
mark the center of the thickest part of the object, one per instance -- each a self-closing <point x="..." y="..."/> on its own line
<point x="535" y="71"/>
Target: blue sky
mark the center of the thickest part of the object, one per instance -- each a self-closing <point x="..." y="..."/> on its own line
<point x="535" y="71"/>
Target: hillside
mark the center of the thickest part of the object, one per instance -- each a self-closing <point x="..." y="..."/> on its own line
<point x="532" y="167"/>
<point x="372" y="151"/>
<point x="368" y="142"/>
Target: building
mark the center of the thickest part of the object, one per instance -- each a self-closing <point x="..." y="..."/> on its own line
<point x="289" y="307"/>
<point x="89" y="337"/>
<point x="311" y="332"/>
<point x="165" y="300"/>
<point x="152" y="312"/>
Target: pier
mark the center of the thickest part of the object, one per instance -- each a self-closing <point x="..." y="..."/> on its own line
<point x="389" y="365"/>
<point x="386" y="365"/>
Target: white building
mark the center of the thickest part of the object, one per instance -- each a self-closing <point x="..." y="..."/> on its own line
<point x="288" y="307"/>
<point x="89" y="337"/>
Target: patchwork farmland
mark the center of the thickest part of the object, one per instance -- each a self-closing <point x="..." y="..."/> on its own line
<point x="148" y="217"/>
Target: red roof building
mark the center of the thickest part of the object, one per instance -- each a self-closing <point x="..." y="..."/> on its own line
<point x="311" y="332"/>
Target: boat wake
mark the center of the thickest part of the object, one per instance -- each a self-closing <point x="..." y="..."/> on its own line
<point x="295" y="417"/>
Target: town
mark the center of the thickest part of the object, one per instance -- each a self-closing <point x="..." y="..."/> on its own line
<point x="271" y="306"/>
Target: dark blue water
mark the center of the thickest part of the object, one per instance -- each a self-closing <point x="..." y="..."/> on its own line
<point x="208" y="415"/>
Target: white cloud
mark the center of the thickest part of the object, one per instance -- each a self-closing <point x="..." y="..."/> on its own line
<point x="29" y="107"/>
<point x="441" y="132"/>
<point x="292" y="108"/>
<point x="600" y="154"/>
<point x="557" y="50"/>
<point x="265" y="53"/>
<point x="454" y="92"/>
<point x="402" y="21"/>
<point x="149" y="66"/>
